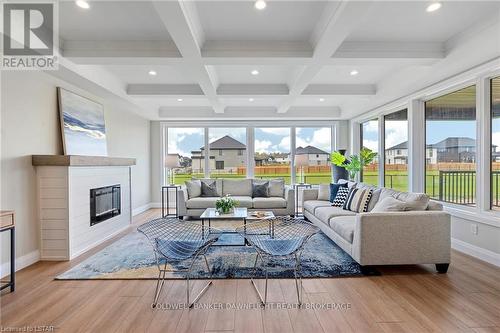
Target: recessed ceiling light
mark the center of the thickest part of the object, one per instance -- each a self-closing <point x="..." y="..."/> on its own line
<point x="260" y="4"/>
<point x="82" y="4"/>
<point x="321" y="99"/>
<point x="250" y="99"/>
<point x="433" y="7"/>
<point x="255" y="72"/>
<point x="354" y="72"/>
<point x="179" y="99"/>
<point x="152" y="73"/>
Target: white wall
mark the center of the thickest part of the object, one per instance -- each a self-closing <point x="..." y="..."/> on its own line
<point x="30" y="125"/>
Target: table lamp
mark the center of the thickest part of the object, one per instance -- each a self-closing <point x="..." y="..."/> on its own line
<point x="171" y="162"/>
<point x="301" y="161"/>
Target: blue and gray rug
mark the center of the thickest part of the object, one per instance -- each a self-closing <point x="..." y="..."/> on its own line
<point x="131" y="257"/>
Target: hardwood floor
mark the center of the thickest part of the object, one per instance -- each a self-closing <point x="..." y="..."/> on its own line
<point x="403" y="299"/>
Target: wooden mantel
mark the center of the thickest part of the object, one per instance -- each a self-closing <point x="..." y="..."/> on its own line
<point x="79" y="160"/>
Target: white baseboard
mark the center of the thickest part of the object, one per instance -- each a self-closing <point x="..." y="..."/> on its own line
<point x="141" y="209"/>
<point x="476" y="251"/>
<point x="155" y="205"/>
<point x="21" y="262"/>
<point x="91" y="246"/>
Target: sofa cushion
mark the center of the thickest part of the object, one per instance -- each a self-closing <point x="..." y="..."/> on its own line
<point x="334" y="188"/>
<point x="414" y="201"/>
<point x="358" y="200"/>
<point x="326" y="213"/>
<point x="218" y="184"/>
<point x="237" y="187"/>
<point x="349" y="183"/>
<point x="324" y="192"/>
<point x="311" y="205"/>
<point x="243" y="201"/>
<point x="344" y="226"/>
<point x="389" y="204"/>
<point x="434" y="205"/>
<point x="201" y="202"/>
<point x="193" y="188"/>
<point x="260" y="190"/>
<point x="209" y="189"/>
<point x="273" y="202"/>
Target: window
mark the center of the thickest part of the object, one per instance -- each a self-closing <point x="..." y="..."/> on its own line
<point x="450" y="128"/>
<point x="495" y="143"/>
<point x="316" y="142"/>
<point x="396" y="150"/>
<point x="272" y="153"/>
<point x="187" y="144"/>
<point x="369" y="140"/>
<point x="225" y="147"/>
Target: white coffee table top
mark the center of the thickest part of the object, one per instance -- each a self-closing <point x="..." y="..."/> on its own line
<point x="211" y="213"/>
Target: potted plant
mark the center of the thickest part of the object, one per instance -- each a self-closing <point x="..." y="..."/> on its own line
<point x="355" y="163"/>
<point x="225" y="205"/>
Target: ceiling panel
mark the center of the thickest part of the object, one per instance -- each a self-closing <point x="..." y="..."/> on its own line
<point x="111" y="20"/>
<point x="140" y="74"/>
<point x="409" y="21"/>
<point x="239" y="20"/>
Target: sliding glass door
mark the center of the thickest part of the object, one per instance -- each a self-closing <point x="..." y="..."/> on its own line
<point x="272" y="153"/>
<point x="396" y="150"/>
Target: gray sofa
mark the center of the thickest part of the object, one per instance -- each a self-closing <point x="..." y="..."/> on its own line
<point x="281" y="200"/>
<point x="419" y="236"/>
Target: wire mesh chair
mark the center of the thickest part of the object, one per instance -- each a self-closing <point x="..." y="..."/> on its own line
<point x="174" y="241"/>
<point x="279" y="237"/>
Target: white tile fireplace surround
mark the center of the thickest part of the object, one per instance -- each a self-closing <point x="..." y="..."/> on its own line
<point x="64" y="184"/>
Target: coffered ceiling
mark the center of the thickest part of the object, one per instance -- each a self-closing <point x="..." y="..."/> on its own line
<point x="291" y="60"/>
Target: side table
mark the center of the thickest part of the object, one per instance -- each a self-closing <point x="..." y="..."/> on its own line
<point x="168" y="188"/>
<point x="7" y="223"/>
<point x="296" y="188"/>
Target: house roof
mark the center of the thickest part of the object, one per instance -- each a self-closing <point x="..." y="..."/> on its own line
<point x="446" y="143"/>
<point x="226" y="142"/>
<point x="310" y="150"/>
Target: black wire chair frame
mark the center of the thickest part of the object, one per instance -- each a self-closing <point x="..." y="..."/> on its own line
<point x="279" y="237"/>
<point x="174" y="240"/>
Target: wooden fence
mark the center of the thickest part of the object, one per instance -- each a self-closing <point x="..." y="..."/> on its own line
<point x="284" y="169"/>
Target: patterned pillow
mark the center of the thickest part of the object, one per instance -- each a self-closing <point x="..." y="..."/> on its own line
<point x="358" y="200"/>
<point x="209" y="189"/>
<point x="341" y="197"/>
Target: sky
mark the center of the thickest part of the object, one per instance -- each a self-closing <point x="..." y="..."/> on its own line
<point x="268" y="140"/>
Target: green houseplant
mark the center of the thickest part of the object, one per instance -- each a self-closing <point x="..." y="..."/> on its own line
<point x="225" y="204"/>
<point x="354" y="163"/>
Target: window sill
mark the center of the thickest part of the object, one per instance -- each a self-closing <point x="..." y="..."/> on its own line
<point x="471" y="213"/>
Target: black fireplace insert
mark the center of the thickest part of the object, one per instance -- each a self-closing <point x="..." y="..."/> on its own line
<point x="105" y="203"/>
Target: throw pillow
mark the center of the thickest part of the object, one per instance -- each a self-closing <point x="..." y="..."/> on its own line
<point x="389" y="204"/>
<point x="334" y="188"/>
<point x="324" y="192"/>
<point x="358" y="200"/>
<point x="193" y="188"/>
<point x="341" y="197"/>
<point x="277" y="188"/>
<point x="260" y="190"/>
<point x="209" y="189"/>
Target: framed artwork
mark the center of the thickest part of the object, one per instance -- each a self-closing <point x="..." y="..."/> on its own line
<point x="82" y="125"/>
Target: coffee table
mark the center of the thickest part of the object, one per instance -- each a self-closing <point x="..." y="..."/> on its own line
<point x="239" y="213"/>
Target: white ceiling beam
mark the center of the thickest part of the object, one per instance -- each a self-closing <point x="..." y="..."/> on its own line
<point x="388" y="50"/>
<point x="252" y="89"/>
<point x="181" y="21"/>
<point x="256" y="49"/>
<point x="164" y="89"/>
<point x="118" y="49"/>
<point x="335" y="26"/>
<point x="340" y="89"/>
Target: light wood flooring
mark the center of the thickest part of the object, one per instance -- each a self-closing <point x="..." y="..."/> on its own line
<point x="403" y="299"/>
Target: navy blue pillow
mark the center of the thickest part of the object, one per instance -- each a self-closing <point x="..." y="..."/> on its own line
<point x="334" y="188"/>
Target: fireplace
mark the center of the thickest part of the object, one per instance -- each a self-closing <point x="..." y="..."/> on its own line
<point x="105" y="203"/>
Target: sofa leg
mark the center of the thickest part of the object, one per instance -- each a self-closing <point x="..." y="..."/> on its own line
<point x="442" y="268"/>
<point x="305" y="218"/>
<point x="369" y="270"/>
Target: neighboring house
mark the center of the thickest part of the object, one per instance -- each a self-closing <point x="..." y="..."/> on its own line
<point x="449" y="150"/>
<point x="225" y="154"/>
<point x="281" y="158"/>
<point x="316" y="156"/>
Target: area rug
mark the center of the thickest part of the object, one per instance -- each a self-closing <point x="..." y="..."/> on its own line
<point x="132" y="257"/>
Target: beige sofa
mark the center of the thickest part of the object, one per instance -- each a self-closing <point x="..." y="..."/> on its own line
<point x="281" y="200"/>
<point x="385" y="238"/>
